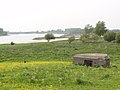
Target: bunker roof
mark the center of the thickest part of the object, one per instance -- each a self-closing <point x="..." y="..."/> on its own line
<point x="93" y="56"/>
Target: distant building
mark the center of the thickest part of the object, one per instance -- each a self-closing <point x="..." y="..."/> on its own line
<point x="92" y="59"/>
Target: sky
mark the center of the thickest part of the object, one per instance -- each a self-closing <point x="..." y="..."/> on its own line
<point x="43" y="15"/>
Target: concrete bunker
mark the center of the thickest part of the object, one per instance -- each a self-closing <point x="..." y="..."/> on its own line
<point x="92" y="59"/>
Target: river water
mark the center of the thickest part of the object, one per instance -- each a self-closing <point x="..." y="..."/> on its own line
<point x="25" y="38"/>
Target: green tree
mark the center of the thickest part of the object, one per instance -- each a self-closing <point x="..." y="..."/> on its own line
<point x="88" y="29"/>
<point x="49" y="36"/>
<point x="117" y="38"/>
<point x="109" y="36"/>
<point x="71" y="39"/>
<point x="100" y="28"/>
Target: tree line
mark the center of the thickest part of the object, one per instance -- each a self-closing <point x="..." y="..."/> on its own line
<point x="91" y="33"/>
<point x="100" y="31"/>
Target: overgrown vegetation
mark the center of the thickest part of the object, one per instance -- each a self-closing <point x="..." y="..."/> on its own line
<point x="49" y="66"/>
<point x="109" y="36"/>
<point x="60" y="50"/>
<point x="84" y="37"/>
<point x="71" y="39"/>
<point x="94" y="34"/>
<point x="54" y="76"/>
<point x="117" y="37"/>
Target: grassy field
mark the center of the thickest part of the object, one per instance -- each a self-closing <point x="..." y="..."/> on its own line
<point x="49" y="67"/>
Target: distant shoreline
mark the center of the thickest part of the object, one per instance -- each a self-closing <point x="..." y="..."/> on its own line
<point x="27" y="38"/>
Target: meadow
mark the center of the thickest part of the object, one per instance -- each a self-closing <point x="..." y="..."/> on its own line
<point x="49" y="67"/>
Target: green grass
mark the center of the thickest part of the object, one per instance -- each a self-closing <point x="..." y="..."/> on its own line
<point x="58" y="76"/>
<point x="49" y="67"/>
<point x="58" y="51"/>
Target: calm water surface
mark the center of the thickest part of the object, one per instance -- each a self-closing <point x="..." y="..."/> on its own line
<point x="25" y="38"/>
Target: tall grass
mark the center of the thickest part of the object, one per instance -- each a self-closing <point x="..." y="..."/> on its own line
<point x="55" y="51"/>
<point x="49" y="66"/>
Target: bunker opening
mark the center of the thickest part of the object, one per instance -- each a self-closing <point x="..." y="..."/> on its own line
<point x="88" y="62"/>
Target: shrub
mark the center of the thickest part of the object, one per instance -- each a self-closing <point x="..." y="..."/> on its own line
<point x="109" y="36"/>
<point x="71" y="39"/>
<point x="117" y="38"/>
<point x="49" y="36"/>
<point x="12" y="43"/>
<point x="94" y="37"/>
<point x="84" y="37"/>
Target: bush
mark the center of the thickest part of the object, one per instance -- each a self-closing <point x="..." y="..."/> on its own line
<point x="71" y="39"/>
<point x="49" y="36"/>
<point x="94" y="37"/>
<point x="117" y="38"/>
<point x="84" y="37"/>
<point x="109" y="36"/>
<point x="12" y="43"/>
